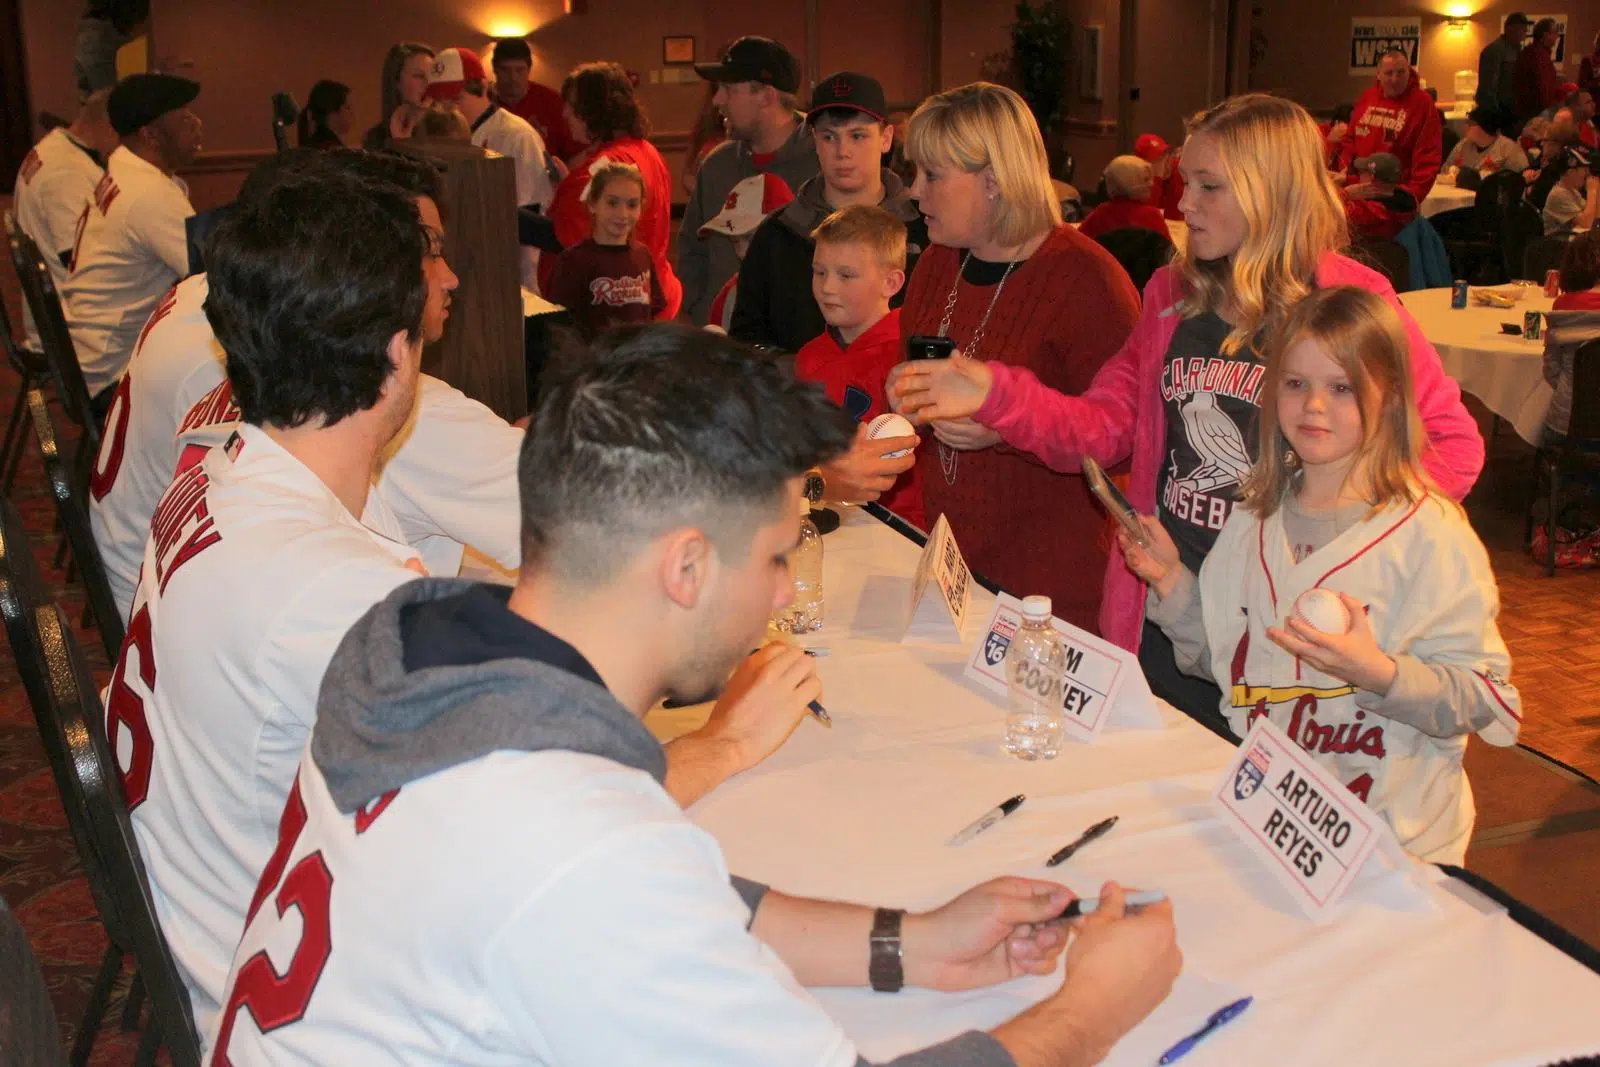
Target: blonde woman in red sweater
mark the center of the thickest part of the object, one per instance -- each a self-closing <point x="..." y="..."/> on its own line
<point x="1010" y="283"/>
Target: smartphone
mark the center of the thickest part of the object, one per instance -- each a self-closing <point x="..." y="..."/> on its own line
<point x="923" y="346"/>
<point x="1114" y="501"/>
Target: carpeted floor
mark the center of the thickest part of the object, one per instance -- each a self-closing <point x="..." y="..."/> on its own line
<point x="1538" y="826"/>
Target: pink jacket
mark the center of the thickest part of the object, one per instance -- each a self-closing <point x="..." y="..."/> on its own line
<point x="1122" y="414"/>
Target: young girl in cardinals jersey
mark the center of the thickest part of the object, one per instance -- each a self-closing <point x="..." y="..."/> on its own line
<point x="1339" y="501"/>
<point x="609" y="278"/>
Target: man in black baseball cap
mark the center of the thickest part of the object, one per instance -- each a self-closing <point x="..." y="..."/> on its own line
<point x="132" y="242"/>
<point x="848" y="119"/>
<point x="755" y="80"/>
<point x="150" y="112"/>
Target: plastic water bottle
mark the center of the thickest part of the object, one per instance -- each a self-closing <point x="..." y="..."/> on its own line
<point x="1035" y="673"/>
<point x="804" y="613"/>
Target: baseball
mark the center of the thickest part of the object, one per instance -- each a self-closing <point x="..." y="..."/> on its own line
<point x="891" y="425"/>
<point x="1321" y="609"/>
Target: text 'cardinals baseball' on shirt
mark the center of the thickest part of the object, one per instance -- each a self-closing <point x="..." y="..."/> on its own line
<point x="253" y="573"/>
<point x="131" y="247"/>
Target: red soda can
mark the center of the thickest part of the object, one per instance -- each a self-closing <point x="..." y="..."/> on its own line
<point x="1552" y="283"/>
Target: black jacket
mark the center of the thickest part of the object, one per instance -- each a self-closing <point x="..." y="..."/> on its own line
<point x="774" y="306"/>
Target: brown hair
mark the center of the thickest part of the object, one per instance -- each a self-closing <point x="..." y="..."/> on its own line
<point x="604" y="172"/>
<point x="1580" y="263"/>
<point x="1271" y="151"/>
<point x="393" y="63"/>
<point x="1364" y="335"/>
<point x="870" y="225"/>
<point x="601" y="94"/>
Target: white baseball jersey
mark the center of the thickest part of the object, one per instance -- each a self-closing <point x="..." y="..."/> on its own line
<point x="1431" y="594"/>
<point x="513" y="136"/>
<point x="131" y="247"/>
<point x="176" y="362"/>
<point x="438" y="926"/>
<point x="56" y="180"/>
<point x="253" y="573"/>
<point x="453" y="479"/>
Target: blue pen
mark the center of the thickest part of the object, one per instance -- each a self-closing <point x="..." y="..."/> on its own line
<point x="1219" y="1018"/>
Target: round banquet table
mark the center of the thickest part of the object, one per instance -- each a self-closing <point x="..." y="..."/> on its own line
<point x="1444" y="197"/>
<point x="1504" y="371"/>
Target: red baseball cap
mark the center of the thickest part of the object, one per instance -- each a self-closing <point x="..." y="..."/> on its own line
<point x="451" y="71"/>
<point x="1150" y="147"/>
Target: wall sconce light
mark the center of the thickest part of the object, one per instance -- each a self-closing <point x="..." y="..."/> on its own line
<point x="1457" y="24"/>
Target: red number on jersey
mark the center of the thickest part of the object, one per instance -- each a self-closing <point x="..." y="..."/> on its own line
<point x="114" y="442"/>
<point x="276" y="1000"/>
<point x="125" y="709"/>
<point x="77" y="237"/>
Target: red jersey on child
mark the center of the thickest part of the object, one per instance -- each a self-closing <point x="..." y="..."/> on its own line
<point x="1119" y="213"/>
<point x="606" y="285"/>
<point x="854" y="378"/>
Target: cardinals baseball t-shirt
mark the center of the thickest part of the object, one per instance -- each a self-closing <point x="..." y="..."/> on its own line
<point x="1212" y="401"/>
<point x="606" y="285"/>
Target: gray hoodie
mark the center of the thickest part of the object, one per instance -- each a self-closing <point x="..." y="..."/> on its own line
<point x="380" y="727"/>
<point x="705" y="263"/>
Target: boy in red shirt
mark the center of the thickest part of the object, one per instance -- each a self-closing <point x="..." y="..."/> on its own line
<point x="859" y="265"/>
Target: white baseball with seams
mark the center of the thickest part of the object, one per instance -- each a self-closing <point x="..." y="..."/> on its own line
<point x="891" y="425"/>
<point x="1321" y="609"/>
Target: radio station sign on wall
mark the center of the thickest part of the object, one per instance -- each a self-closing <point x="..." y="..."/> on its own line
<point x="1373" y="35"/>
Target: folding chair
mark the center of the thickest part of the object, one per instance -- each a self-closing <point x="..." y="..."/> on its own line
<point x="31" y="371"/>
<point x="72" y="507"/>
<point x="1578" y="449"/>
<point x="71" y="727"/>
<point x="28" y="1032"/>
<point x="44" y="303"/>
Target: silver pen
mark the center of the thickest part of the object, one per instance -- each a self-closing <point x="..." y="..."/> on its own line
<point x="988" y="819"/>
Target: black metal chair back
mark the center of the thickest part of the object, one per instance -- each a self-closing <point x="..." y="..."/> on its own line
<point x="1585" y="423"/>
<point x="30" y="368"/>
<point x="1542" y="255"/>
<point x="39" y="289"/>
<point x="1522" y="226"/>
<point x="1388" y="258"/>
<point x="72" y="506"/>
<point x="1140" y="251"/>
<point x="28" y="1032"/>
<point x="97" y="797"/>
<point x="1495" y="197"/>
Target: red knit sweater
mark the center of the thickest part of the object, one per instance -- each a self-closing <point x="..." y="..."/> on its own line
<point x="1062" y="314"/>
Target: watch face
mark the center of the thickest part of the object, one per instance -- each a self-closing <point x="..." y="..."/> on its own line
<point x="813" y="488"/>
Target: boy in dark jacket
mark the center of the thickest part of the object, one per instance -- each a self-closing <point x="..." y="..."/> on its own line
<point x="774" y="305"/>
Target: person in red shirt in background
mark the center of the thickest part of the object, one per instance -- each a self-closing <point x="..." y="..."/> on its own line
<point x="1395" y="117"/>
<point x="858" y="266"/>
<point x="1128" y="182"/>
<point x="540" y="105"/>
<point x="1589" y="69"/>
<point x="1378" y="206"/>
<point x="601" y="109"/>
<point x="1166" y="184"/>
<point x="1534" y="83"/>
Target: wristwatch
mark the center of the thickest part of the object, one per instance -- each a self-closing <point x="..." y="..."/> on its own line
<point x="814" y="487"/>
<point x="885" y="968"/>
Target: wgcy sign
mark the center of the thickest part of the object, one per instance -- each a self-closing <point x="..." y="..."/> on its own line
<point x="1371" y="37"/>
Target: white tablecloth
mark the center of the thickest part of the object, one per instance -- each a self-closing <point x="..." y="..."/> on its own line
<point x="1444" y="197"/>
<point x="1503" y="371"/>
<point x="861" y="812"/>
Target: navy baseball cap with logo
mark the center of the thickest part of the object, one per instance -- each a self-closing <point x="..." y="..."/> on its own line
<point x="847" y="89"/>
<point x="755" y="59"/>
<point x="140" y="99"/>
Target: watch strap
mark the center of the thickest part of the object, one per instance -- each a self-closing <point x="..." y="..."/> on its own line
<point x="885" y="965"/>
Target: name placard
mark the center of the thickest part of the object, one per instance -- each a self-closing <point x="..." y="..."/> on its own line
<point x="940" y="616"/>
<point x="1103" y="682"/>
<point x="1310" y="831"/>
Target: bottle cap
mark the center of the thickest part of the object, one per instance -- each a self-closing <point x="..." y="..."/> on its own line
<point x="1036" y="607"/>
